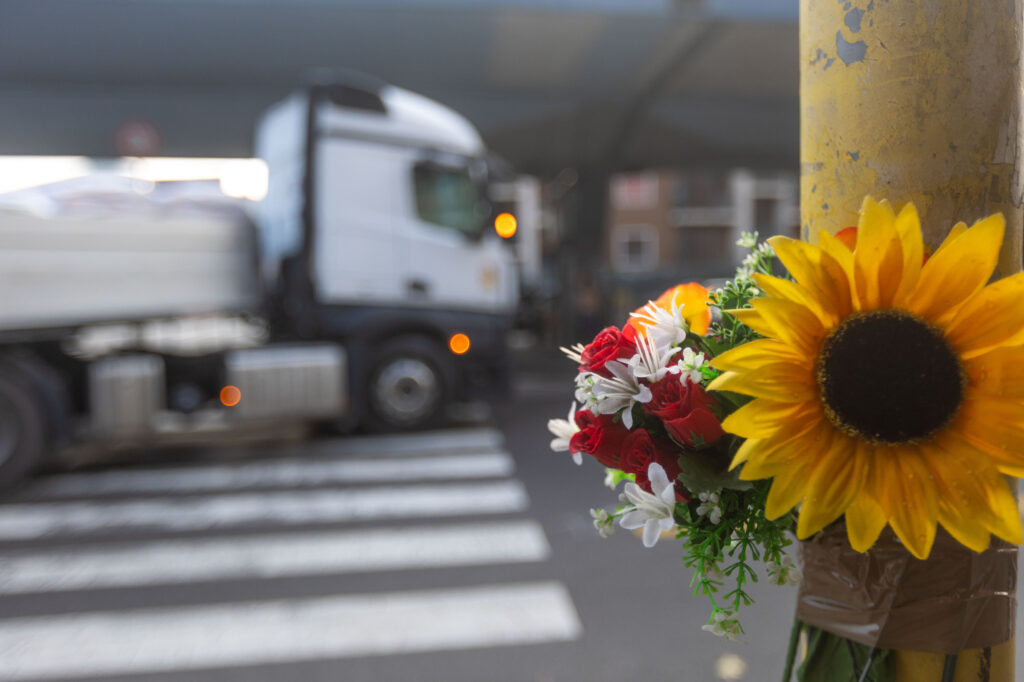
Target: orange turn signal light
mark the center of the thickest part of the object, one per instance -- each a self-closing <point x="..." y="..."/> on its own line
<point x="230" y="396"/>
<point x="459" y="344"/>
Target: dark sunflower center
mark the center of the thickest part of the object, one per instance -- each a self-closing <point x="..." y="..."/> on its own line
<point x="889" y="377"/>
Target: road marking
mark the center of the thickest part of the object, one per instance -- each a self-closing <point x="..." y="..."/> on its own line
<point x="273" y="556"/>
<point x="28" y="521"/>
<point x="97" y="644"/>
<point x="421" y="442"/>
<point x="284" y="473"/>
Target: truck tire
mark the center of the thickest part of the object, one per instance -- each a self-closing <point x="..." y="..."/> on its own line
<point x="406" y="389"/>
<point x="23" y="438"/>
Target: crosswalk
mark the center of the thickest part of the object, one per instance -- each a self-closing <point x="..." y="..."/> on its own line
<point x="387" y="507"/>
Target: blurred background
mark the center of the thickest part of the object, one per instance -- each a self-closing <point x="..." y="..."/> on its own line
<point x="281" y="288"/>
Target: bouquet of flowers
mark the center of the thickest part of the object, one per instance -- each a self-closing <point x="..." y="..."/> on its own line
<point x="873" y="385"/>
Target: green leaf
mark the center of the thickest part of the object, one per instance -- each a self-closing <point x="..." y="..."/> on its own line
<point x="831" y="658"/>
<point x="702" y="473"/>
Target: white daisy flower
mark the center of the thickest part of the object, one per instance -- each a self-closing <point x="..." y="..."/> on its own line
<point x="650" y="363"/>
<point x="709" y="507"/>
<point x="652" y="512"/>
<point x="666" y="326"/>
<point x="563" y="430"/>
<point x="747" y="240"/>
<point x="574" y="352"/>
<point x="724" y="625"/>
<point x="786" y="574"/>
<point x="620" y="392"/>
<point x="585" y="390"/>
<point x="689" y="366"/>
<point x="602" y="522"/>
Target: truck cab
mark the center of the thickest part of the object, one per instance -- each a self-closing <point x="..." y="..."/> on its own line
<point x="375" y="233"/>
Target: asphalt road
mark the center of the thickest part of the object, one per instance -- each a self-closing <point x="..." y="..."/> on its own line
<point x="463" y="555"/>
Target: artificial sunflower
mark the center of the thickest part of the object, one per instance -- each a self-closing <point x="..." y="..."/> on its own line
<point x="887" y="389"/>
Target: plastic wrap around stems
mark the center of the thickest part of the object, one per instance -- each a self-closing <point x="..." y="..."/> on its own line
<point x="956" y="599"/>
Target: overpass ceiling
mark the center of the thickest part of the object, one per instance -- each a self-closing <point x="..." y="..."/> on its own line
<point x="550" y="83"/>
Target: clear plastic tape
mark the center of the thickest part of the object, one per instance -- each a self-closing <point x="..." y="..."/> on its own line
<point x="956" y="599"/>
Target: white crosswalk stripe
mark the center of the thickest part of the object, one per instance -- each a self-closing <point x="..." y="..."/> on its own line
<point x="272" y="556"/>
<point x="287" y="473"/>
<point x="448" y="482"/>
<point x="97" y="644"/>
<point x="19" y="522"/>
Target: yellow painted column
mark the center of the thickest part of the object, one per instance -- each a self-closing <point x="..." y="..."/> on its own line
<point x="915" y="100"/>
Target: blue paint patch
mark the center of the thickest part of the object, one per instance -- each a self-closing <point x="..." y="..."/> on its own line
<point x="814" y="189"/>
<point x="850" y="52"/>
<point x="853" y="18"/>
<point x="830" y="62"/>
<point x="824" y="207"/>
<point x="855" y="156"/>
<point x="847" y="6"/>
<point x="871" y="5"/>
<point x="817" y="57"/>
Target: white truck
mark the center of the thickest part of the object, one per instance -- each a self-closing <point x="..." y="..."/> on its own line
<point x="365" y="288"/>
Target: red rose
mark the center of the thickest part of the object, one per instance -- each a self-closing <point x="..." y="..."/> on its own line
<point x="599" y="436"/>
<point x="685" y="408"/>
<point x="609" y="344"/>
<point x="640" y="449"/>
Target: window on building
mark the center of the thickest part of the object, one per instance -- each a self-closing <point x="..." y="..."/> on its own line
<point x="765" y="219"/>
<point x="704" y="244"/>
<point x="450" y="197"/>
<point x="635" y="247"/>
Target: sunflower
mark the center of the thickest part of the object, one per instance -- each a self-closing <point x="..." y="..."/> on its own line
<point x="887" y="388"/>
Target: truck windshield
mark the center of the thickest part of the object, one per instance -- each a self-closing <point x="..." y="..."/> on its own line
<point x="450" y="197"/>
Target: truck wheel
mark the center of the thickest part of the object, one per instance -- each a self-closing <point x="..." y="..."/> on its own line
<point x="22" y="427"/>
<point x="406" y="386"/>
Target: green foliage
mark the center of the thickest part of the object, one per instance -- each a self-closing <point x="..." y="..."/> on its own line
<point x="724" y="552"/>
<point x="831" y="658"/>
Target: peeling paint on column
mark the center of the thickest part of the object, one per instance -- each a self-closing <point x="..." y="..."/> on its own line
<point x="929" y="95"/>
<point x="853" y="19"/>
<point x="850" y="52"/>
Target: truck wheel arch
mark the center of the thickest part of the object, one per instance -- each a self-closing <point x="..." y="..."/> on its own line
<point x="25" y="438"/>
<point x="407" y="383"/>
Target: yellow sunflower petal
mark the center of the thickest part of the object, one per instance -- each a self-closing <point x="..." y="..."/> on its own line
<point x="758" y="468"/>
<point x="957" y="230"/>
<point x="958" y="270"/>
<point x="792" y="291"/>
<point x="817" y="271"/>
<point x="878" y="258"/>
<point x="761" y="418"/>
<point x="778" y="381"/>
<point x="910" y="501"/>
<point x="752" y="319"/>
<point x="991" y="318"/>
<point x="745" y="451"/>
<point x="791" y="323"/>
<point x="833" y="486"/>
<point x="996" y="427"/>
<point x="786" y="492"/>
<point x="968" y="481"/>
<point x="965" y="530"/>
<point x="908" y="227"/>
<point x="999" y="372"/>
<point x="776" y="448"/>
<point x="864" y="521"/>
<point x="757" y="354"/>
<point x="843" y="257"/>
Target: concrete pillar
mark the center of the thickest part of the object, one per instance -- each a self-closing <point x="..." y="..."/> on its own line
<point x="915" y="101"/>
